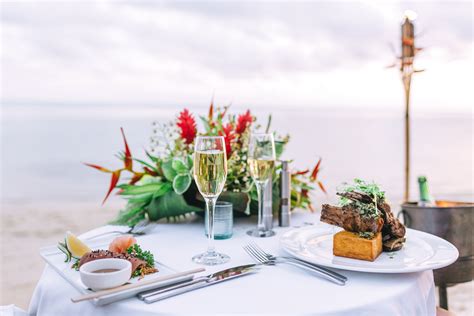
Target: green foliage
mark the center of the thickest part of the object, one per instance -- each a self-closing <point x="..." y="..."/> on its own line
<point x="179" y="166"/>
<point x="240" y="201"/>
<point x="170" y="205"/>
<point x="131" y="215"/>
<point x="168" y="170"/>
<point x="181" y="183"/>
<point x="182" y="168"/>
<point x="156" y="190"/>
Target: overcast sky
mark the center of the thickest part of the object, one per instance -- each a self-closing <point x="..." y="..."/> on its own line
<point x="305" y="54"/>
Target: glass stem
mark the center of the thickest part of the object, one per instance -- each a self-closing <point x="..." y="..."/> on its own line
<point x="260" y="192"/>
<point x="210" y="208"/>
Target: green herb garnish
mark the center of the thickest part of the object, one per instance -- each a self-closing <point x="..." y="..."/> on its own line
<point x="366" y="235"/>
<point x="370" y="189"/>
<point x="75" y="265"/>
<point x="147" y="256"/>
<point x="136" y="251"/>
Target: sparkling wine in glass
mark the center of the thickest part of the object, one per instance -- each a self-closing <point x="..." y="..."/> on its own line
<point x="210" y="173"/>
<point x="261" y="160"/>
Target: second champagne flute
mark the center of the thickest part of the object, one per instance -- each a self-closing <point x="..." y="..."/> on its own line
<point x="261" y="159"/>
<point x="210" y="173"/>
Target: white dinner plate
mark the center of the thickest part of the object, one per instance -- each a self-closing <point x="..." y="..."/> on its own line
<point x="422" y="251"/>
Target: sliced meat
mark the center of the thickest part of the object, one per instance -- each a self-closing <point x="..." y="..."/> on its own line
<point x="103" y="254"/>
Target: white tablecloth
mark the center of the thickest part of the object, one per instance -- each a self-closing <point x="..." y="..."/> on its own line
<point x="274" y="290"/>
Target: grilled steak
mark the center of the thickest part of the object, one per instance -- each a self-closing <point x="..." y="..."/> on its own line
<point x="349" y="218"/>
<point x="391" y="225"/>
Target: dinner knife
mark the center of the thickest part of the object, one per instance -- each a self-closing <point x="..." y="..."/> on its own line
<point x="197" y="283"/>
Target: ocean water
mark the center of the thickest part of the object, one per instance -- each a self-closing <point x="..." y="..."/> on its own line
<point x="43" y="148"/>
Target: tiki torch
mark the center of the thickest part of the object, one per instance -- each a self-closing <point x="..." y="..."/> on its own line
<point x="406" y="68"/>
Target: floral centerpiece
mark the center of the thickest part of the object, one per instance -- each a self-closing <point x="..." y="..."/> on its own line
<point x="163" y="187"/>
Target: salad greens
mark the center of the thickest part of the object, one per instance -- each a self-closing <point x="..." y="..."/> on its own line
<point x="146" y="256"/>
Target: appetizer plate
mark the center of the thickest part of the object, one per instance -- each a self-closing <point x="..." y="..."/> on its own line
<point x="422" y="251"/>
<point x="55" y="259"/>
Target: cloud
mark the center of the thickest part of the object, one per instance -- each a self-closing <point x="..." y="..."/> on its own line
<point x="309" y="53"/>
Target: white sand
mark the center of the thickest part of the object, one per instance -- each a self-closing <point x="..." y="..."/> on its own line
<point x="21" y="238"/>
<point x="27" y="228"/>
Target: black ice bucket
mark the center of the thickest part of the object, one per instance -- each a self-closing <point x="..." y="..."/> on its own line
<point x="452" y="221"/>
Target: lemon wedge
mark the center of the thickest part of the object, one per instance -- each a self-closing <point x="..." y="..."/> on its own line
<point x="75" y="246"/>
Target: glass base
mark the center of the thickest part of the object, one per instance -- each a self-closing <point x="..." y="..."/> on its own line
<point x="258" y="232"/>
<point x="211" y="258"/>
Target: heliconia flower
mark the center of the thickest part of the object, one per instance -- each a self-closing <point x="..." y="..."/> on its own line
<point x="128" y="160"/>
<point x="229" y="135"/>
<point x="243" y="121"/>
<point x="314" y="173"/>
<point x="187" y="125"/>
<point x="210" y="115"/>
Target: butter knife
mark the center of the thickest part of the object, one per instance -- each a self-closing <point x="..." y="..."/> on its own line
<point x="197" y="283"/>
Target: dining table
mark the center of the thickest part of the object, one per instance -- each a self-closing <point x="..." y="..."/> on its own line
<point x="273" y="290"/>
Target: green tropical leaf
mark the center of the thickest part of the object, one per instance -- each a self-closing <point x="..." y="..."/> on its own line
<point x="181" y="183"/>
<point x="189" y="162"/>
<point x="205" y="122"/>
<point x="146" y="164"/>
<point x="168" y="171"/>
<point x="131" y="215"/>
<point x="179" y="166"/>
<point x="137" y="190"/>
<point x="152" y="158"/>
<point x="166" y="187"/>
<point x="147" y="179"/>
<point x="141" y="198"/>
<point x="168" y="206"/>
<point x="240" y="201"/>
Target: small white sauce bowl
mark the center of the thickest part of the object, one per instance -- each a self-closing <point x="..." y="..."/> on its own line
<point x="106" y="280"/>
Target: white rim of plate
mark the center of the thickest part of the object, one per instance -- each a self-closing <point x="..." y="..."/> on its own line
<point x="435" y="262"/>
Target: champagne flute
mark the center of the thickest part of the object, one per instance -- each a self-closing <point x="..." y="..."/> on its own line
<point x="261" y="160"/>
<point x="210" y="173"/>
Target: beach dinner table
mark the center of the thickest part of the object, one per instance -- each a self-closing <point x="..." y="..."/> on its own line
<point x="280" y="289"/>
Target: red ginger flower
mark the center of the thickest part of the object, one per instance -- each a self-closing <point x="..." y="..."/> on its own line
<point x="243" y="121"/>
<point x="187" y="124"/>
<point x="229" y="135"/>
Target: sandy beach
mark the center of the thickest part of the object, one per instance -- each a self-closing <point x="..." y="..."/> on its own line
<point x="22" y="237"/>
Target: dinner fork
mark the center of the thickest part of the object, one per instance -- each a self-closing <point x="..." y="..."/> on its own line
<point x="139" y="229"/>
<point x="265" y="258"/>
